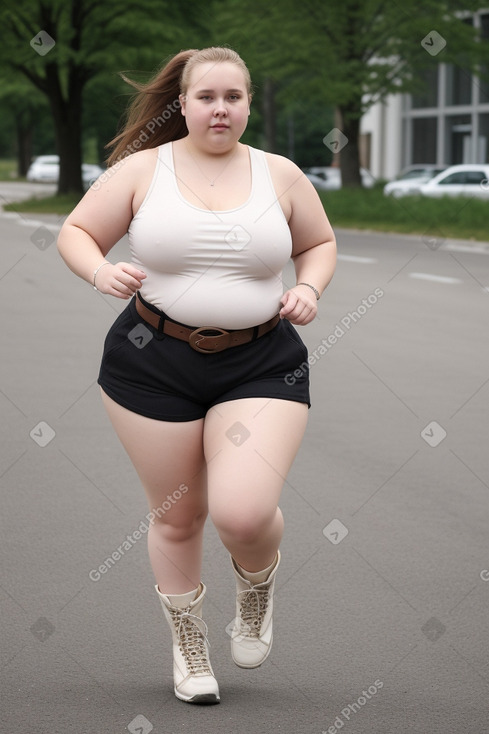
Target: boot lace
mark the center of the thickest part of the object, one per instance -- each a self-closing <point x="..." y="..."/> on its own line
<point x="192" y="641"/>
<point x="253" y="604"/>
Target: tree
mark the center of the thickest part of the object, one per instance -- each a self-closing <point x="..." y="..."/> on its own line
<point x="60" y="45"/>
<point x="24" y="105"/>
<point x="360" y="51"/>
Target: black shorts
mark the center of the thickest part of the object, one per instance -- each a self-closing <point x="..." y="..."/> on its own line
<point x="161" y="377"/>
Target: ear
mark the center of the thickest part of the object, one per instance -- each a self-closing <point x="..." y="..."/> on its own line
<point x="182" y="98"/>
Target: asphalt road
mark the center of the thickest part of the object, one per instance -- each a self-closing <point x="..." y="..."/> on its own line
<point x="381" y="618"/>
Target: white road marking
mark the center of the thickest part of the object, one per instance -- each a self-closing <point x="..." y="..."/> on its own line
<point x="357" y="259"/>
<point x="475" y="249"/>
<point x="39" y="223"/>
<point x="435" y="278"/>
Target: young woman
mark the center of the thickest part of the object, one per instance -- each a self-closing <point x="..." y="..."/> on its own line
<point x="195" y="374"/>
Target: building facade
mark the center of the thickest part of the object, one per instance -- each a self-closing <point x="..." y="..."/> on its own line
<point x="446" y="125"/>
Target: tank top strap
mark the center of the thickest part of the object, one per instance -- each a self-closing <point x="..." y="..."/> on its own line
<point x="263" y="189"/>
<point x="165" y="160"/>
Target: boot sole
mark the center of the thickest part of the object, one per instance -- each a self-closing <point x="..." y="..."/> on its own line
<point x="256" y="665"/>
<point x="205" y="699"/>
<point x="250" y="667"/>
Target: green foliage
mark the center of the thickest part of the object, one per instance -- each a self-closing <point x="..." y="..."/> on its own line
<point x="349" y="54"/>
<point x="463" y="218"/>
<point x="319" y="54"/>
<point x="23" y="108"/>
<point x="92" y="42"/>
<point x="92" y="37"/>
<point x="351" y="48"/>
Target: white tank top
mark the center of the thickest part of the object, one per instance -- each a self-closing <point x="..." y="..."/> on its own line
<point x="211" y="268"/>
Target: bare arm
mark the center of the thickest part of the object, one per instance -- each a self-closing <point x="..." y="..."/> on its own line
<point x="314" y="244"/>
<point x="98" y="222"/>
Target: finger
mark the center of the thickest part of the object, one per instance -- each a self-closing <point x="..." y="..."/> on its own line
<point x="306" y="316"/>
<point x="111" y="291"/>
<point x="134" y="284"/>
<point x="123" y="289"/>
<point x="301" y="320"/>
<point x="129" y="281"/>
<point x="116" y="285"/>
<point x="133" y="271"/>
<point x="289" y="301"/>
<point x="295" y="307"/>
<point x="300" y="314"/>
<point x="124" y="296"/>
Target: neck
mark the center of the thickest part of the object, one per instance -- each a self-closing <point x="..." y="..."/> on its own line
<point x="204" y="154"/>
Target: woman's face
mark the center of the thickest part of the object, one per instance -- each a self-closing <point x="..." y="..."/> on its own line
<point x="216" y="106"/>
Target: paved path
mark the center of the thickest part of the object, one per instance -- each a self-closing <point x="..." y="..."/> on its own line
<point x="381" y="622"/>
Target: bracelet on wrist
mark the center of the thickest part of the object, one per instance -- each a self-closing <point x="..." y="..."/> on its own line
<point x="316" y="292"/>
<point x="96" y="271"/>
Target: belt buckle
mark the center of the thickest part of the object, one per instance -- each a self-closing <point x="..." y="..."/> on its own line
<point x="196" y="337"/>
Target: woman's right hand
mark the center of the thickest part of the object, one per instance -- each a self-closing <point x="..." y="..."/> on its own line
<point x="121" y="280"/>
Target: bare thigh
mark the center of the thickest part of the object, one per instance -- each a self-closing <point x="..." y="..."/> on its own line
<point x="250" y="445"/>
<point x="165" y="455"/>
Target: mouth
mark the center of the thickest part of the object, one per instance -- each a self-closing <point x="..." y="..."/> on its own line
<point x="220" y="126"/>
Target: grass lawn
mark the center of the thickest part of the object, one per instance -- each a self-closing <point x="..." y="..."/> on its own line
<point x="8" y="170"/>
<point x="461" y="218"/>
<point x="45" y="205"/>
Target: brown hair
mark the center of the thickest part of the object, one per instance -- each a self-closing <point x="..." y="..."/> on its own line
<point x="154" y="117"/>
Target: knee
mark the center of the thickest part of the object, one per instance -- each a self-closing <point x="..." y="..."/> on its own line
<point x="178" y="529"/>
<point x="244" y="528"/>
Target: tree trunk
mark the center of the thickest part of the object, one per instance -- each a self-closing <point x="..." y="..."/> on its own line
<point x="269" y="115"/>
<point x="24" y="148"/>
<point x="290" y="137"/>
<point x="67" y="124"/>
<point x="350" y="152"/>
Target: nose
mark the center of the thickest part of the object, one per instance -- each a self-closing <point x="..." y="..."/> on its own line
<point x="220" y="108"/>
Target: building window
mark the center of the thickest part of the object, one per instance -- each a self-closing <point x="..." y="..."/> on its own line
<point x="458" y="139"/>
<point x="484" y="25"/>
<point x="459" y="86"/>
<point x="458" y="90"/>
<point x="483" y="142"/>
<point x="446" y="120"/>
<point x="424" y="140"/>
<point x="428" y="95"/>
<point x="483" y="79"/>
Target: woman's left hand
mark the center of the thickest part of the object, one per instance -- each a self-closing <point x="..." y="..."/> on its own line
<point x="299" y="305"/>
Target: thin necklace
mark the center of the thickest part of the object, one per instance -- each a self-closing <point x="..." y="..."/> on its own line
<point x="212" y="181"/>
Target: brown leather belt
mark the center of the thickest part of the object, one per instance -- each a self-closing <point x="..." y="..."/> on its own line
<point x="206" y="339"/>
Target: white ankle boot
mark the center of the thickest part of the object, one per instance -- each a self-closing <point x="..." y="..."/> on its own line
<point x="252" y="634"/>
<point x="192" y="672"/>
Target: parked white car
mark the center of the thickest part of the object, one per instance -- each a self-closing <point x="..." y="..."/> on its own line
<point x="411" y="178"/>
<point x="462" y="180"/>
<point x="328" y="178"/>
<point x="45" y="169"/>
